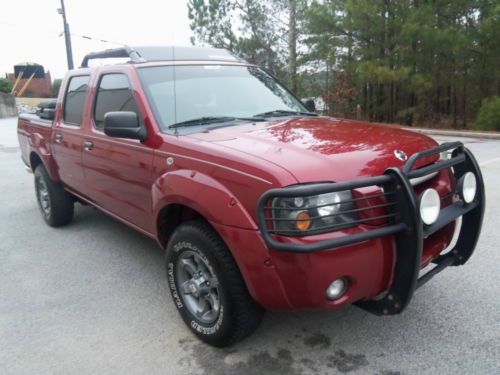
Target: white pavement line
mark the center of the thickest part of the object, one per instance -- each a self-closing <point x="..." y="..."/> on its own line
<point x="489" y="162"/>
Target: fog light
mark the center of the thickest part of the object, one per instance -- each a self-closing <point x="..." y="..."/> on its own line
<point x="430" y="204"/>
<point x="467" y="186"/>
<point x="336" y="289"/>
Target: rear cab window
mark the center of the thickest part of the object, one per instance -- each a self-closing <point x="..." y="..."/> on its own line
<point x="114" y="93"/>
<point x="74" y="100"/>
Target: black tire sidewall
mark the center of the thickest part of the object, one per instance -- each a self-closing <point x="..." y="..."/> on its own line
<point x="186" y="239"/>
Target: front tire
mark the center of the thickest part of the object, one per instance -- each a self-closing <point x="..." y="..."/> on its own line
<point x="207" y="287"/>
<point x="55" y="203"/>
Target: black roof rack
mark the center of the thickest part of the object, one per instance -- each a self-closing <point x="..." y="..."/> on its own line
<point x="163" y="53"/>
<point x="113" y="53"/>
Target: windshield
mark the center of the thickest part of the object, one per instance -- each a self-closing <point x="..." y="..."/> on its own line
<point x="195" y="92"/>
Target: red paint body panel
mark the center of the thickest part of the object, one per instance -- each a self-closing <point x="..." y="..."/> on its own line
<point x="222" y="173"/>
<point x="34" y="140"/>
<point x="322" y="149"/>
<point x="306" y="277"/>
<point x="259" y="271"/>
<point x="119" y="178"/>
<point x="68" y="153"/>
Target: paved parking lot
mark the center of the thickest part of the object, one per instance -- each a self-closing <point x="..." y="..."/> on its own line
<point x="92" y="298"/>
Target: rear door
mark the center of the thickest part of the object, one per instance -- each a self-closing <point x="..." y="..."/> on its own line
<point x="67" y="137"/>
<point x="118" y="171"/>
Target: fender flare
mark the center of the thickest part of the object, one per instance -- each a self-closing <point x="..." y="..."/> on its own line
<point x="203" y="194"/>
<point x="230" y="220"/>
<point x="40" y="147"/>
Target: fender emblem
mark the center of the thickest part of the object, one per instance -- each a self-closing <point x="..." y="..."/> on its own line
<point x="170" y="160"/>
<point x="401" y="155"/>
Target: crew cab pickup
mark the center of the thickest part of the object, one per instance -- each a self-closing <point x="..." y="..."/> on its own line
<point x="258" y="202"/>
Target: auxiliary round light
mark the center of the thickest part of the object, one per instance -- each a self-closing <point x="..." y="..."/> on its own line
<point x="336" y="289"/>
<point x="430" y="205"/>
<point x="467" y="187"/>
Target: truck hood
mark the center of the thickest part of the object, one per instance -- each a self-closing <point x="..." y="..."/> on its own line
<point x="322" y="148"/>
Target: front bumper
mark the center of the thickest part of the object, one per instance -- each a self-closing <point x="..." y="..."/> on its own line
<point x="405" y="225"/>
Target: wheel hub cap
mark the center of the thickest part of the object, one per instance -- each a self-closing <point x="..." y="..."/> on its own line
<point x="199" y="286"/>
<point x="43" y="197"/>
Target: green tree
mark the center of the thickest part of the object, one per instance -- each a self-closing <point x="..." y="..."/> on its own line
<point x="410" y="61"/>
<point x="5" y="85"/>
<point x="488" y="117"/>
<point x="263" y="32"/>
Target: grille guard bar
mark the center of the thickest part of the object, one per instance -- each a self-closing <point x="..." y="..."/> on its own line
<point x="409" y="230"/>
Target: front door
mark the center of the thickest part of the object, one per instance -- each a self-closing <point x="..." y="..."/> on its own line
<point x="118" y="171"/>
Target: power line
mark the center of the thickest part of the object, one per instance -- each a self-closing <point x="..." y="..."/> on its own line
<point x="55" y="33"/>
<point x="95" y="38"/>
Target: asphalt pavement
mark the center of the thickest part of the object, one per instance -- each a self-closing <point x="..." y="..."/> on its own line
<point x="92" y="297"/>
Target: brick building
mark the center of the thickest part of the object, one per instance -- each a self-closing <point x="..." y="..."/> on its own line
<point x="40" y="85"/>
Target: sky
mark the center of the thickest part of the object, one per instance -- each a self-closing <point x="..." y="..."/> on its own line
<point x="31" y="31"/>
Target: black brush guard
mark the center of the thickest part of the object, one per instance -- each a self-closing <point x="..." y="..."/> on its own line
<point x="404" y="222"/>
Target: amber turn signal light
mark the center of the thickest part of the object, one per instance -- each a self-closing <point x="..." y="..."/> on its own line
<point x="303" y="223"/>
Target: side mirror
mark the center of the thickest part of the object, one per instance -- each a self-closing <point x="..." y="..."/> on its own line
<point x="124" y="125"/>
<point x="309" y="104"/>
<point x="47" y="113"/>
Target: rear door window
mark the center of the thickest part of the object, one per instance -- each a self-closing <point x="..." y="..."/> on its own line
<point x="113" y="94"/>
<point x="74" y="103"/>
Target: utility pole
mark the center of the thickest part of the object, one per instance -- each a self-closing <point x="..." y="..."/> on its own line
<point x="67" y="36"/>
<point x="292" y="44"/>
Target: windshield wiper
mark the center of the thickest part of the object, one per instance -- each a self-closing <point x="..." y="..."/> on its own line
<point x="212" y="120"/>
<point x="283" y="112"/>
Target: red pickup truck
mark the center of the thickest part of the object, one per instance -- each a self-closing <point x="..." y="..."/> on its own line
<point x="259" y="202"/>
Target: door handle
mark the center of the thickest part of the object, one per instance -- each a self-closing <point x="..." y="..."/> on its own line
<point x="58" y="137"/>
<point x="87" y="145"/>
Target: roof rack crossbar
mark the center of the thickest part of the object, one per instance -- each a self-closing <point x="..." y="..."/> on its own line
<point x="134" y="56"/>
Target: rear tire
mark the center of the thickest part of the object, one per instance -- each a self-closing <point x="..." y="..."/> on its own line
<point x="207" y="287"/>
<point x="55" y="203"/>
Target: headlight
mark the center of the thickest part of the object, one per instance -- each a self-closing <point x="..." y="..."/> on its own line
<point x="315" y="214"/>
<point x="430" y="205"/>
<point x="467" y="186"/>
